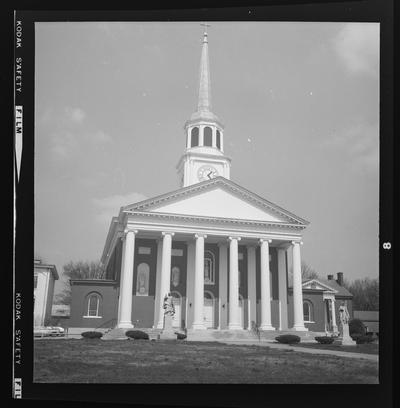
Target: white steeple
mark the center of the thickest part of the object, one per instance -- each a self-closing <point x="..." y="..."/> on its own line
<point x="203" y="158"/>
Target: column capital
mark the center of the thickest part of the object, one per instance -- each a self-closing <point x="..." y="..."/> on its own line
<point x="200" y="236"/>
<point x="261" y="240"/>
<point x="236" y="238"/>
<point x="168" y="233"/>
<point x="297" y="242"/>
<point x="127" y="230"/>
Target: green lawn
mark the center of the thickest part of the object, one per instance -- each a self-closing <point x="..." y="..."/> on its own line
<point x="129" y="361"/>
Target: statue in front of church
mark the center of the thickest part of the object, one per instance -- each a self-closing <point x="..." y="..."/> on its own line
<point x="344" y="316"/>
<point x="169" y="308"/>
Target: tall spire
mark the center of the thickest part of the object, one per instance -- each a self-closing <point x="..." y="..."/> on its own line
<point x="204" y="102"/>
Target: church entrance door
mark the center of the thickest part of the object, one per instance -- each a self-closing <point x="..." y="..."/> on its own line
<point x="208" y="311"/>
<point x="177" y="301"/>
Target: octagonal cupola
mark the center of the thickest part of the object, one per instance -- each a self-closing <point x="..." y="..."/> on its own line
<point x="204" y="129"/>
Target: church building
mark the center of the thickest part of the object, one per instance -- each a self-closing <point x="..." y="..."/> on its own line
<point x="218" y="248"/>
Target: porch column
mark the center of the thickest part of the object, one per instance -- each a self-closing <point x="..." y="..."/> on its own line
<point x="297" y="289"/>
<point x="198" y="303"/>
<point x="282" y="285"/>
<point x="265" y="286"/>
<point x="333" y="310"/>
<point x="165" y="275"/>
<point x="126" y="282"/>
<point x="251" y="284"/>
<point x="234" y="318"/>
<point x="223" y="284"/>
<point x="158" y="283"/>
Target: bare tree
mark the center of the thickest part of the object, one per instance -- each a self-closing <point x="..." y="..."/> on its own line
<point x="78" y="270"/>
<point x="365" y="293"/>
<point x="307" y="272"/>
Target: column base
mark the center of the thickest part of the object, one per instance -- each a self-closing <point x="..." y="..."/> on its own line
<point x="234" y="326"/>
<point x="125" y="325"/>
<point x="299" y="328"/>
<point x="198" y="326"/>
<point x="267" y="327"/>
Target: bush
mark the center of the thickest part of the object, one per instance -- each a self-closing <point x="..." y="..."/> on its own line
<point x="137" y="335"/>
<point x="181" y="336"/>
<point x="288" y="339"/>
<point x="325" y="339"/>
<point x="356" y="326"/>
<point x="364" y="339"/>
<point x="92" y="335"/>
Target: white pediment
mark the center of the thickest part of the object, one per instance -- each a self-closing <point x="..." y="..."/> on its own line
<point x="218" y="203"/>
<point x="316" y="285"/>
<point x="219" y="198"/>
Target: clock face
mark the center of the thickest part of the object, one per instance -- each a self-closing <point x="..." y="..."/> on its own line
<point x="207" y="173"/>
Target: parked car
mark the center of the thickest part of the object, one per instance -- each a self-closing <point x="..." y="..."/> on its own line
<point x="44" y="331"/>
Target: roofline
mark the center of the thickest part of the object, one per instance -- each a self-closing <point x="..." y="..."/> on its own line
<point x="211" y="182"/>
<point x="52" y="268"/>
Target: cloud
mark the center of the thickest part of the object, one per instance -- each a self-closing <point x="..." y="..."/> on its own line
<point x="69" y="132"/>
<point x="357" y="45"/>
<point x="360" y="143"/>
<point x="108" y="207"/>
<point x="75" y="115"/>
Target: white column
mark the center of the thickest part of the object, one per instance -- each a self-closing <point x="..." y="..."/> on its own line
<point x="297" y="289"/>
<point x="188" y="141"/>
<point x="190" y="268"/>
<point x="165" y="275"/>
<point x="126" y="283"/>
<point x="251" y="284"/>
<point x="158" y="283"/>
<point x="265" y="286"/>
<point x="333" y="310"/>
<point x="198" y="301"/>
<point x="234" y="318"/>
<point x="201" y="135"/>
<point x="282" y="285"/>
<point x="223" y="284"/>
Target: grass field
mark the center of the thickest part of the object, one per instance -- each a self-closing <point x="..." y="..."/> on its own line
<point x="128" y="361"/>
<point x="371" y="348"/>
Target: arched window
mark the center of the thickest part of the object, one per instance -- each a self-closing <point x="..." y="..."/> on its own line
<point x="93" y="305"/>
<point x="195" y="136"/>
<point x="307" y="311"/>
<point x="142" y="279"/>
<point x="207" y="136"/>
<point x="209" y="265"/>
<point x="218" y="139"/>
<point x="175" y="276"/>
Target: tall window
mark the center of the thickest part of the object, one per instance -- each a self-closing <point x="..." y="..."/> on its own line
<point x="142" y="279"/>
<point x="209" y="265"/>
<point x="207" y="136"/>
<point x="307" y="311"/>
<point x="93" y="305"/>
<point x="175" y="276"/>
<point x="195" y="137"/>
<point x="35" y="279"/>
<point x="218" y="139"/>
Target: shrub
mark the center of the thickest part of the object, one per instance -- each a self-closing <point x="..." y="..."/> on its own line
<point x="356" y="326"/>
<point x="181" y="336"/>
<point x="137" y="335"/>
<point x="288" y="339"/>
<point x="364" y="339"/>
<point x="325" y="339"/>
<point x="92" y="335"/>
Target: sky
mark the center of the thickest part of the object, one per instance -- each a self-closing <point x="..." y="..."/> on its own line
<point x="300" y="105"/>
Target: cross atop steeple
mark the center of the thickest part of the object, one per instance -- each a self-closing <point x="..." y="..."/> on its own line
<point x="205" y="25"/>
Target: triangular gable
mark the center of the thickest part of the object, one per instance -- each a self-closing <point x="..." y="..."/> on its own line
<point x="217" y="198"/>
<point x="317" y="285"/>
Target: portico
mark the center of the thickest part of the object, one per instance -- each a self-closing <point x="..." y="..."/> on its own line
<point x="195" y="233"/>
